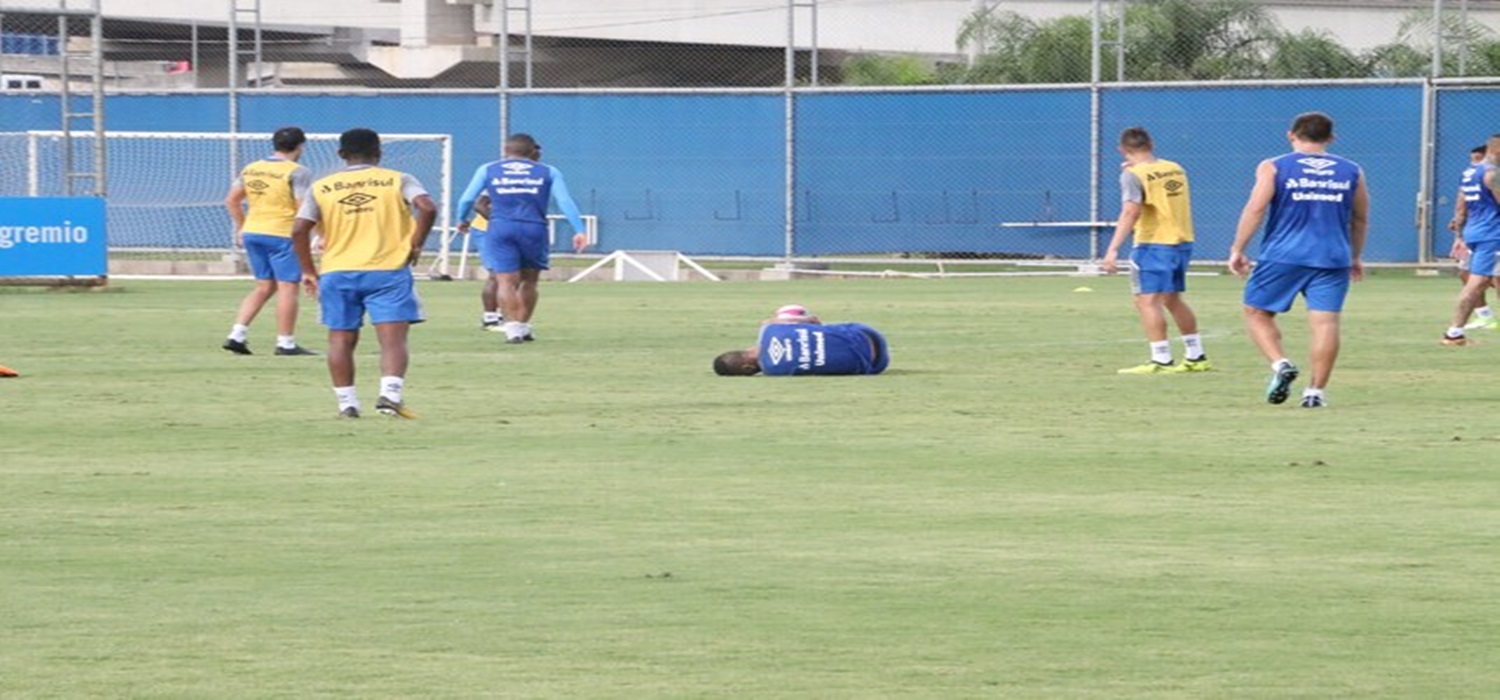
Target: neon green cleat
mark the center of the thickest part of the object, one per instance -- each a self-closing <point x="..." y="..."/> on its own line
<point x="1150" y="368"/>
<point x="1488" y="324"/>
<point x="1199" y="365"/>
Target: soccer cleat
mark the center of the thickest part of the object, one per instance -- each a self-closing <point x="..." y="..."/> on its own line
<point x="1281" y="383"/>
<point x="349" y="412"/>
<point x="491" y="326"/>
<point x="1199" y="365"/>
<point x="528" y="337"/>
<point x="1488" y="324"/>
<point x="394" y="408"/>
<point x="1455" y="341"/>
<point x="238" y="347"/>
<point x="514" y="341"/>
<point x="1313" y="401"/>
<point x="1150" y="368"/>
<point x="294" y="350"/>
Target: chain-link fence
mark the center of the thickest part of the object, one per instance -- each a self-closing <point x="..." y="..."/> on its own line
<point x="804" y="128"/>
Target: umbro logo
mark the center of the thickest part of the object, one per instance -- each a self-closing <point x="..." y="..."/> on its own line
<point x="1318" y="163"/>
<point x="780" y="350"/>
<point x="257" y="185"/>
<point x="516" y="168"/>
<point x="358" y="199"/>
<point x="1174" y="185"/>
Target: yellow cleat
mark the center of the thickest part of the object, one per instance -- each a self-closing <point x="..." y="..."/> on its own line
<point x="1199" y="365"/>
<point x="394" y="408"/>
<point x="1150" y="368"/>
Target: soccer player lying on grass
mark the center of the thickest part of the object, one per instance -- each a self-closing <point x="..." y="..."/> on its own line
<point x="793" y="344"/>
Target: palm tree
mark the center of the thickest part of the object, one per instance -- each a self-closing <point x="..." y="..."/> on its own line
<point x="1313" y="54"/>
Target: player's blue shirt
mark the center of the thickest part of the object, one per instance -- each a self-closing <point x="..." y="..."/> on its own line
<point x="788" y="349"/>
<point x="519" y="192"/>
<point x="1309" y="217"/>
<point x="1483" y="224"/>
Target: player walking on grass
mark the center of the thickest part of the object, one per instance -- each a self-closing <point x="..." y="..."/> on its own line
<point x="1478" y="236"/>
<point x="515" y="245"/>
<point x="369" y="246"/>
<point x="1315" y="207"/>
<point x="273" y="187"/>
<point x="1484" y="316"/>
<point x="1155" y="203"/>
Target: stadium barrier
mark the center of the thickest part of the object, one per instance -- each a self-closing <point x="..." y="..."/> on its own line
<point x="905" y="174"/>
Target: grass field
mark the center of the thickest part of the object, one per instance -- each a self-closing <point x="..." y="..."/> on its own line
<point x="597" y="515"/>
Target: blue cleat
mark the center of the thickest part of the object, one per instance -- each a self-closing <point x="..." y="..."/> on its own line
<point x="1281" y="383"/>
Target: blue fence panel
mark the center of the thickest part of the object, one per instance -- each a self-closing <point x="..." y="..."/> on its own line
<point x="1464" y="120"/>
<point x="703" y="174"/>
<point x="1220" y="134"/>
<point x="936" y="172"/>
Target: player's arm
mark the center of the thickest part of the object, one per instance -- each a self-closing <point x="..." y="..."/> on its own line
<point x="301" y="181"/>
<point x="482" y="206"/>
<point x="1359" y="227"/>
<point x="1253" y="215"/>
<point x="1132" y="194"/>
<point x="470" y="195"/>
<point x="423" y="210"/>
<point x="307" y="217"/>
<point x="234" y="203"/>
<point x="569" y="209"/>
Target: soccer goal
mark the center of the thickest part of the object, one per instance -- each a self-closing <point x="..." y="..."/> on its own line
<point x="166" y="189"/>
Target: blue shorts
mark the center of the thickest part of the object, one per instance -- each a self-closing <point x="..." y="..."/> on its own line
<point x="1482" y="258"/>
<point x="389" y="295"/>
<point x="509" y="247"/>
<point x="272" y="258"/>
<point x="1160" y="269"/>
<point x="882" y="358"/>
<point x="1274" y="286"/>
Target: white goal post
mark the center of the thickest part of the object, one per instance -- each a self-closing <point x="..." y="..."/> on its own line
<point x="166" y="188"/>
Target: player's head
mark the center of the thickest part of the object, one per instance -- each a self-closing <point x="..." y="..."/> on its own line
<point x="736" y="363"/>
<point x="1492" y="148"/>
<point x="288" y="141"/>
<point x="1476" y="154"/>
<point x="1312" y="127"/>
<point x="522" y="146"/>
<point x="360" y="146"/>
<point x="1135" y="140"/>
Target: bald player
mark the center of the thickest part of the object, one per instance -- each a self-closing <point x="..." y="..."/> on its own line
<point x="375" y="222"/>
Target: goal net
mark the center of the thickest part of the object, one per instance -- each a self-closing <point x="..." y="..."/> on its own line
<point x="166" y="190"/>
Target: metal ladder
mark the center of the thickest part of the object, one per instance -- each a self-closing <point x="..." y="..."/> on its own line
<point x="504" y="12"/>
<point x="82" y="131"/>
<point x="241" y="11"/>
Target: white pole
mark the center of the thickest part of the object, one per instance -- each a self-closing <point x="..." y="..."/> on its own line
<point x="33" y="165"/>
<point x="1437" y="38"/>
<point x="445" y="209"/>
<point x="791" y="132"/>
<point x="1428" y="168"/>
<point x="1094" y="126"/>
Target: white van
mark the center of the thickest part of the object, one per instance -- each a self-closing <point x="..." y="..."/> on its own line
<point x="16" y="81"/>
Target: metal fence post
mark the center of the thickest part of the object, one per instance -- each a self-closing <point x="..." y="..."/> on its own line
<point x="791" y="131"/>
<point x="1095" y="68"/>
<point x="1428" y="170"/>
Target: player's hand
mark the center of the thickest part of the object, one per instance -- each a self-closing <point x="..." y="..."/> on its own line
<point x="239" y="239"/>
<point x="580" y="242"/>
<point x="1459" y="251"/>
<point x="1453" y="225"/>
<point x="463" y="226"/>
<point x="310" y="283"/>
<point x="1110" y="264"/>
<point x="1357" y="270"/>
<point x="1238" y="263"/>
<point x="416" y="254"/>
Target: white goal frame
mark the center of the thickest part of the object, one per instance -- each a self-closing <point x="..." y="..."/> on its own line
<point x="443" y="195"/>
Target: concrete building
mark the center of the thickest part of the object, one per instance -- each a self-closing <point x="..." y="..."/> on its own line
<point x="583" y="43"/>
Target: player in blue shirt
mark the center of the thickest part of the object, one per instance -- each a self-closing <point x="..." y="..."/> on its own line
<point x="1316" y="210"/>
<point x="805" y="346"/>
<point x="1480" y="235"/>
<point x="515" y="244"/>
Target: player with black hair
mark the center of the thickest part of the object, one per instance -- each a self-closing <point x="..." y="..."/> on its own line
<point x="800" y="346"/>
<point x="274" y="187"/>
<point x="370" y="243"/>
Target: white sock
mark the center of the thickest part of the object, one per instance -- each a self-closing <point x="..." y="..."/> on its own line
<point x="1309" y="391"/>
<point x="514" y="329"/>
<point x="1161" y="353"/>
<point x="1277" y="365"/>
<point x="1192" y="346"/>
<point x="390" y="387"/>
<point x="491" y="317"/>
<point x="1455" y="332"/>
<point x="1485" y="312"/>
<point x="239" y="332"/>
<point x="286" y="341"/>
<point x="348" y="397"/>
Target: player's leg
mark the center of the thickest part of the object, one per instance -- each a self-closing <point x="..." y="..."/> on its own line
<point x="489" y="299"/>
<point x="343" y="311"/>
<point x="1149" y="280"/>
<point x="535" y="257"/>
<point x="1271" y="289"/>
<point x="1481" y="271"/>
<point x="1194" y="358"/>
<point x="505" y="268"/>
<point x="1325" y="302"/>
<point x="394" y="306"/>
<point x="288" y="273"/>
<point x="530" y="290"/>
<point x="259" y="257"/>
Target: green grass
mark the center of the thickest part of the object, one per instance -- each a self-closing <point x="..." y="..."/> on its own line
<point x="597" y="515"/>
